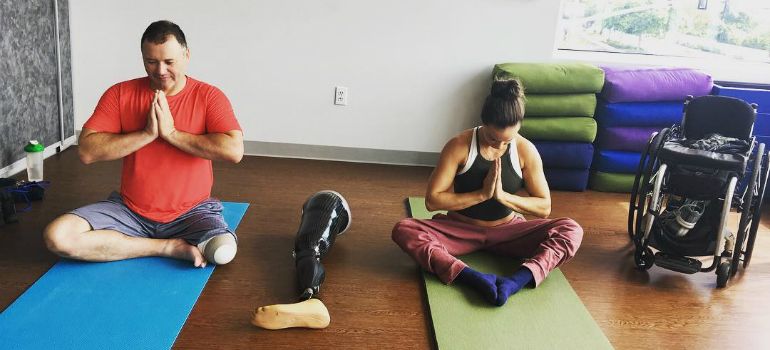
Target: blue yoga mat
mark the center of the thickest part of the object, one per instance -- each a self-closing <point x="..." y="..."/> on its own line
<point x="131" y="304"/>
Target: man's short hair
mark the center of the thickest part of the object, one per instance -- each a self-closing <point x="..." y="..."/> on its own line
<point x="157" y="32"/>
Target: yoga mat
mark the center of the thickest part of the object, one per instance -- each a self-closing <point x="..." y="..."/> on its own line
<point x="548" y="317"/>
<point x="554" y="78"/>
<point x="573" y="105"/>
<point x="131" y="304"/>
<point x="575" y="129"/>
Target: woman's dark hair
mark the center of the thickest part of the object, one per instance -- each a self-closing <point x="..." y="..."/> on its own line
<point x="157" y="32"/>
<point x="504" y="106"/>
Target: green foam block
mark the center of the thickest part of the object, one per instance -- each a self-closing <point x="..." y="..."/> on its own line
<point x="611" y="182"/>
<point x="575" y="105"/>
<point x="554" y="78"/>
<point x="550" y="316"/>
<point x="574" y="129"/>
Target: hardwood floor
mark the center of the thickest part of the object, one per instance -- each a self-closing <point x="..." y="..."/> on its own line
<point x="373" y="290"/>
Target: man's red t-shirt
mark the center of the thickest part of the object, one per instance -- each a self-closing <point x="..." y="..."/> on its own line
<point x="159" y="181"/>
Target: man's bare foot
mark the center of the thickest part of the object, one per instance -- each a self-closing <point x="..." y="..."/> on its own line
<point x="179" y="249"/>
<point x="311" y="313"/>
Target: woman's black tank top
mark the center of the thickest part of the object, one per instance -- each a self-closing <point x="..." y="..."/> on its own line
<point x="472" y="178"/>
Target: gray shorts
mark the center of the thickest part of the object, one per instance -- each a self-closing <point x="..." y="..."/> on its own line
<point x="200" y="223"/>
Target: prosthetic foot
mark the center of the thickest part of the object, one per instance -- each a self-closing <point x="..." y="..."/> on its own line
<point x="325" y="215"/>
<point x="219" y="249"/>
<point x="311" y="313"/>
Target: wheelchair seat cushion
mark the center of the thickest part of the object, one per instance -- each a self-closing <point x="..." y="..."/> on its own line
<point x="677" y="153"/>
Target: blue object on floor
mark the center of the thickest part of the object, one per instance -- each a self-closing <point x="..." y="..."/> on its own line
<point x="623" y="162"/>
<point x="131" y="304"/>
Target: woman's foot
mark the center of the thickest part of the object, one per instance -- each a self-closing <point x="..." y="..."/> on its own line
<point x="484" y="283"/>
<point x="311" y="313"/>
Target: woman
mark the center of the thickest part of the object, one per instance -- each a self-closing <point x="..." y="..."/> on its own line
<point x="479" y="173"/>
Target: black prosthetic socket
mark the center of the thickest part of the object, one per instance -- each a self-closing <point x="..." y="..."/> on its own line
<point x="325" y="215"/>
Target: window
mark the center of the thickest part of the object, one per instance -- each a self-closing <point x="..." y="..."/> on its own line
<point x="732" y="32"/>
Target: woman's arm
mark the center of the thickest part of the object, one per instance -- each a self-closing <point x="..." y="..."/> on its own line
<point x="539" y="201"/>
<point x="440" y="194"/>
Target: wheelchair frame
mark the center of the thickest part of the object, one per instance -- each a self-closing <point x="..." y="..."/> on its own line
<point x="649" y="200"/>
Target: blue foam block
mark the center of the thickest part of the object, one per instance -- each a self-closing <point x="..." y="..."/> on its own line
<point x="131" y="304"/>
<point x="566" y="155"/>
<point x="566" y="179"/>
<point x="623" y="162"/>
<point x="759" y="96"/>
<point x="663" y="114"/>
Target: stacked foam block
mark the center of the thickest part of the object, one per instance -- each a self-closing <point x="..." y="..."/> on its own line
<point x="559" y="111"/>
<point x="762" y="99"/>
<point x="634" y="103"/>
<point x="762" y="124"/>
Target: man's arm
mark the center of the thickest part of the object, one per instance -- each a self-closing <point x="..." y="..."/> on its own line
<point x="100" y="146"/>
<point x="96" y="146"/>
<point x="539" y="201"/>
<point x="227" y="146"/>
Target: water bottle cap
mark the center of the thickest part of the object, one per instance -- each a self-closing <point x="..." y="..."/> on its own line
<point x="34" y="146"/>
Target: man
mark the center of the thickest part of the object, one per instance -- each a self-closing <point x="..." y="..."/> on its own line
<point x="167" y="127"/>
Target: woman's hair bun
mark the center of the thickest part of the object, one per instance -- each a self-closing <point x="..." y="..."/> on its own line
<point x="507" y="88"/>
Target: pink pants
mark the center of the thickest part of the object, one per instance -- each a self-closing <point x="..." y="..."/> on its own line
<point x="544" y="244"/>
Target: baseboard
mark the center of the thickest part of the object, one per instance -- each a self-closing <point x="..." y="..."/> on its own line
<point x="343" y="154"/>
<point x="21" y="164"/>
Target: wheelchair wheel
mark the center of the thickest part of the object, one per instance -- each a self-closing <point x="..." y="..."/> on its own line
<point x="723" y="274"/>
<point x="757" y="211"/>
<point x="748" y="213"/>
<point x="636" y="189"/>
<point x="644" y="258"/>
<point x="637" y="208"/>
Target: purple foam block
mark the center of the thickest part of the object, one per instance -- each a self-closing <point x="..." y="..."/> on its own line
<point x="641" y="84"/>
<point x="632" y="139"/>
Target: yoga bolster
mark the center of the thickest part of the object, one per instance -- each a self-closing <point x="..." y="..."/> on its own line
<point x="612" y="182"/>
<point x="575" y="105"/>
<point x="554" y="78"/>
<point x="659" y="114"/>
<point x="639" y="84"/>
<point x="619" y="138"/>
<point x="576" y="129"/>
<point x="565" y="155"/>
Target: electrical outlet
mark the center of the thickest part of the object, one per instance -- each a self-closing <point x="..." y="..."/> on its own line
<point x="340" y="95"/>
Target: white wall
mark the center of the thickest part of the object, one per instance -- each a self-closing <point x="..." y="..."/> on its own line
<point x="417" y="70"/>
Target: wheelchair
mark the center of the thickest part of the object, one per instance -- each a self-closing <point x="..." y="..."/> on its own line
<point x="685" y="187"/>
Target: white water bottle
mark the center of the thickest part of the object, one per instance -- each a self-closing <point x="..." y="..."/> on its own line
<point x="35" y="152"/>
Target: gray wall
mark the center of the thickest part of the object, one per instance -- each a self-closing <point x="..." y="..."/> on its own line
<point x="28" y="76"/>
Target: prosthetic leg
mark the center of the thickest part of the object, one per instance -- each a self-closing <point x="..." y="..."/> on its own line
<point x="325" y="215"/>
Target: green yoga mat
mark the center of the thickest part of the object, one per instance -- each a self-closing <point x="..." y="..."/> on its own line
<point x="554" y="78"/>
<point x="574" y="105"/>
<point x="574" y="129"/>
<point x="611" y="182"/>
<point x="550" y="316"/>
